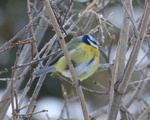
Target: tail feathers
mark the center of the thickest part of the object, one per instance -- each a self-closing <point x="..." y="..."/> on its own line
<point x="44" y="70"/>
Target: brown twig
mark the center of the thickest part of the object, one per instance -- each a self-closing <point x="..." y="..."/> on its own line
<point x="31" y="114"/>
<point x="9" y="79"/>
<point x="3" y="71"/>
<point x="35" y="61"/>
<point x="83" y="88"/>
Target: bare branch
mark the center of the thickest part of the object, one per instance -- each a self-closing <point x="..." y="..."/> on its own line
<point x="64" y="48"/>
<point x="120" y="65"/>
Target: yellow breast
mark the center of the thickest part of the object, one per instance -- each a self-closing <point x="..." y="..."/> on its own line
<point x="86" y="59"/>
<point x="90" y="52"/>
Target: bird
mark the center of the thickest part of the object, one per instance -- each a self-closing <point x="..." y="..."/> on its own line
<point x="85" y="57"/>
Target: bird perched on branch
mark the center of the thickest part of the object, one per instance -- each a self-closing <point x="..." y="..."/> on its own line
<point x="85" y="57"/>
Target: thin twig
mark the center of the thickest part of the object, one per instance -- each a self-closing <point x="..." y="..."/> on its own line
<point x="5" y="100"/>
<point x="139" y="81"/>
<point x="13" y="86"/>
<point x="9" y="79"/>
<point x="145" y="113"/>
<point x="138" y="88"/>
<point x="3" y="71"/>
<point x="35" y="61"/>
<point x="83" y="88"/>
<point x="66" y="105"/>
<point x="30" y="114"/>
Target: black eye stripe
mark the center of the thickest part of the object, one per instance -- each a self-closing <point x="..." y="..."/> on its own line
<point x="93" y="42"/>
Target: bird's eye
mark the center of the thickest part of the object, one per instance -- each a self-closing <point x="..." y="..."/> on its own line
<point x="94" y="42"/>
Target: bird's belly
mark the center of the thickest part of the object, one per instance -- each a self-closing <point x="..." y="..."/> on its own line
<point x="84" y="69"/>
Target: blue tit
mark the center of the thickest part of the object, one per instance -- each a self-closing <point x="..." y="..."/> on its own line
<point x="85" y="57"/>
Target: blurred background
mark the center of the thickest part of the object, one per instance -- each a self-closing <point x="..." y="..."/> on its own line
<point x="14" y="16"/>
